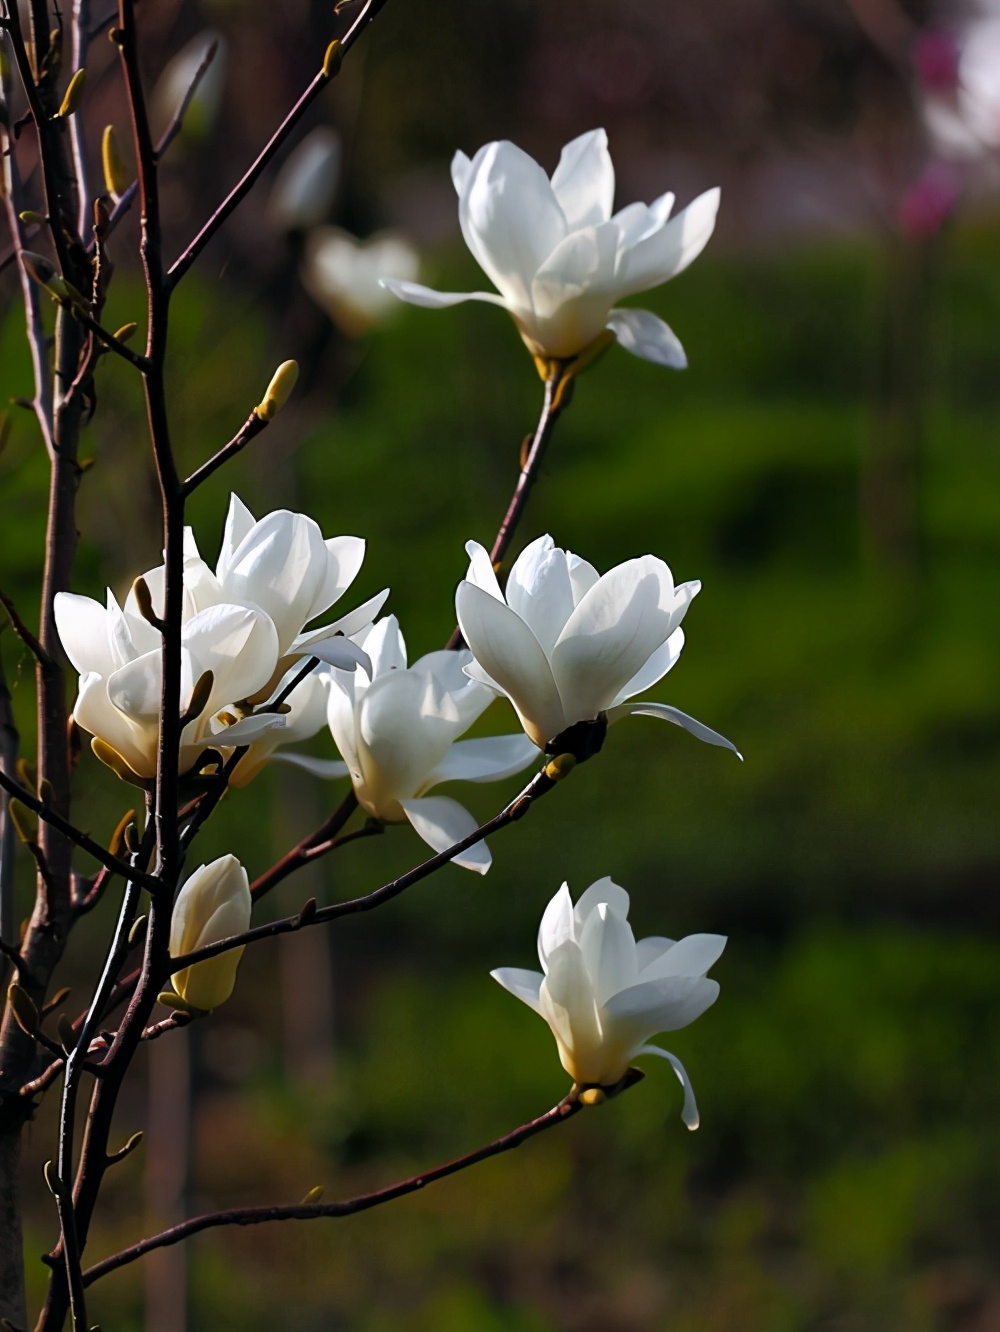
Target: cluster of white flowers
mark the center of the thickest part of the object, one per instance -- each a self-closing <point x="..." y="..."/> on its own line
<point x="566" y="646"/>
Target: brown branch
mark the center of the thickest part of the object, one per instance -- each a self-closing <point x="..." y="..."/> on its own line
<point x="250" y="428"/>
<point x="539" y="785"/>
<point x="48" y="815"/>
<point x="244" y="185"/>
<point x="254" y="1216"/>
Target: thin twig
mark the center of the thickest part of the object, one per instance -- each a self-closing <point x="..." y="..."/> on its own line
<point x="250" y="428"/>
<point x="254" y="1216"/>
<point x="244" y="185"/>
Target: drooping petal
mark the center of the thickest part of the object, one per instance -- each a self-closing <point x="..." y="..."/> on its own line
<point x="510" y="219"/>
<point x="611" y="635"/>
<point x="557" y="925"/>
<point x="669" y="250"/>
<point x="692" y="956"/>
<point x="662" y="660"/>
<point x="608" y="948"/>
<point x="603" y="890"/>
<point x="442" y="822"/>
<point x="689" y="1114"/>
<point x="415" y="293"/>
<point x="486" y="760"/>
<point x="524" y="985"/>
<point x="584" y="180"/>
<point x="504" y="645"/>
<point x="319" y="767"/>
<point x="667" y="713"/>
<point x="645" y="335"/>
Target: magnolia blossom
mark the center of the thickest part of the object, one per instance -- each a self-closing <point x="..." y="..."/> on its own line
<point x="304" y="187"/>
<point x="398" y="734"/>
<point x="558" y="256"/>
<point x="213" y="904"/>
<point x="244" y="623"/>
<point x="568" y="644"/>
<point x="343" y="273"/>
<point x="604" y="994"/>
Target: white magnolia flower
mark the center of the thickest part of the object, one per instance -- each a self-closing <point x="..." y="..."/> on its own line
<point x="398" y="734"/>
<point x="304" y="187"/>
<point x="559" y="258"/>
<point x="213" y="904"/>
<point x="343" y="275"/>
<point x="568" y="644"/>
<point x="604" y="994"/>
<point x="118" y="655"/>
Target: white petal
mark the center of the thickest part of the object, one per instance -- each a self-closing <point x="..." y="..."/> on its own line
<point x="238" y="644"/>
<point x="447" y="668"/>
<point x="557" y="925"/>
<point x="386" y="646"/>
<point x="336" y="651"/>
<point x="662" y="1005"/>
<point x="485" y="760"/>
<point x="239" y="522"/>
<point x="246" y="730"/>
<point x="136" y="687"/>
<point x="460" y="166"/>
<point x="662" y="660"/>
<point x="667" y="713"/>
<point x="350" y="625"/>
<point x="603" y="890"/>
<point x="689" y="1114"/>
<point x="504" y="645"/>
<point x="669" y="250"/>
<point x="329" y="768"/>
<point x="584" y="180"/>
<point x="524" y="985"/>
<point x="567" y="1003"/>
<point x="649" y="949"/>
<point x="582" y="576"/>
<point x="510" y="219"/>
<point x="96" y="714"/>
<point x="646" y="335"/>
<point x="414" y="293"/>
<point x="442" y="822"/>
<point x="608" y="948"/>
<point x="481" y="572"/>
<point x="540" y="591"/>
<point x="611" y="635"/>
<point x="345" y="556"/>
<point x="692" y="956"/>
<point x="83" y="631"/>
<point x="281" y="566"/>
<point x="404" y="728"/>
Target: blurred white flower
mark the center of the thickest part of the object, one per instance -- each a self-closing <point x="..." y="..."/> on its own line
<point x="304" y="187"/>
<point x="213" y="904"/>
<point x="559" y="258"/>
<point x="343" y="274"/>
<point x="398" y="734"/>
<point x="604" y="994"/>
<point x="172" y="86"/>
<point x="568" y="644"/>
<point x="961" y="105"/>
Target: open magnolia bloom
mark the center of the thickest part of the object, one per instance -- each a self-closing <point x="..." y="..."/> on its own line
<point x="213" y="904"/>
<point x="398" y="734"/>
<point x="118" y="655"/>
<point x="604" y="994"/>
<point x="568" y="644"/>
<point x="558" y="256"/>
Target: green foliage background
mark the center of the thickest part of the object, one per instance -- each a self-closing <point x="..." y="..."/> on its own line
<point x="845" y="1175"/>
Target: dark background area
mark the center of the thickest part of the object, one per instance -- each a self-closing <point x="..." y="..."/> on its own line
<point x="827" y="467"/>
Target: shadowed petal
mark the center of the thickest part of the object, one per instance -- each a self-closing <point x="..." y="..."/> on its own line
<point x="442" y="822"/>
<point x="646" y="335"/>
<point x="667" y="713"/>
<point x="524" y="985"/>
<point x="584" y="180"/>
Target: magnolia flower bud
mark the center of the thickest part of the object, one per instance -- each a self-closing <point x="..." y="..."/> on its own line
<point x="559" y="258"/>
<point x="213" y="904"/>
<point x="73" y="94"/>
<point x="116" y="177"/>
<point x="604" y="995"/>
<point x="278" y="391"/>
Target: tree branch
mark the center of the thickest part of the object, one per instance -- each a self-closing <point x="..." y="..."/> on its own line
<point x="569" y="1106"/>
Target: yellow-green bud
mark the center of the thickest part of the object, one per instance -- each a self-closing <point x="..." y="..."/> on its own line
<point x="278" y="391"/>
<point x="126" y="332"/>
<point x="116" y="178"/>
<point x="30" y="218"/>
<point x="333" y="59"/>
<point x="73" y="94"/>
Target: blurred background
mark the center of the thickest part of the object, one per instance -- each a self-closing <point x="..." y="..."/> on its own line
<point x="827" y="466"/>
